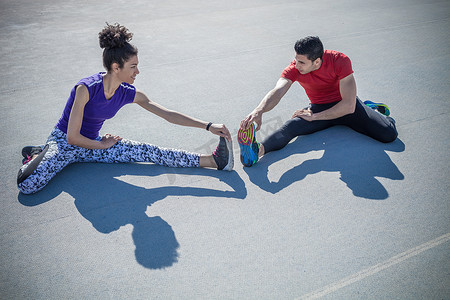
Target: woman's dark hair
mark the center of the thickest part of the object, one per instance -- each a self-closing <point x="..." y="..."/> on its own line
<point x="114" y="39"/>
<point x="310" y="46"/>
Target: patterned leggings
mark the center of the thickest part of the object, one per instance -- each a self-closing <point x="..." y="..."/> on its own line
<point x="61" y="154"/>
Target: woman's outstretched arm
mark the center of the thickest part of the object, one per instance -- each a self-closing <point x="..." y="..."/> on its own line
<point x="179" y="118"/>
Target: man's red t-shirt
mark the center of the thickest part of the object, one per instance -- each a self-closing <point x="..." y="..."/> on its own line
<point x="322" y="85"/>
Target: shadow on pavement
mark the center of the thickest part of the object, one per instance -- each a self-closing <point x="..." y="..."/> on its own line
<point x="358" y="158"/>
<point x="109" y="203"/>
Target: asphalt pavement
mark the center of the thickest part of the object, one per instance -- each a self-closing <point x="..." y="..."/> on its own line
<point x="333" y="215"/>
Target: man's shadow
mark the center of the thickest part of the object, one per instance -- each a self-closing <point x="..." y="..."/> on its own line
<point x="109" y="203"/>
<point x="359" y="160"/>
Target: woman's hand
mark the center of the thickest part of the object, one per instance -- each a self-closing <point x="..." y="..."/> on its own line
<point x="220" y="130"/>
<point x="109" y="140"/>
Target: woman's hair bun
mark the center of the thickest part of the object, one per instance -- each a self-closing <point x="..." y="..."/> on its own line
<point x="114" y="36"/>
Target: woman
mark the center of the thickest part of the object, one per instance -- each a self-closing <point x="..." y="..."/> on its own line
<point x="97" y="98"/>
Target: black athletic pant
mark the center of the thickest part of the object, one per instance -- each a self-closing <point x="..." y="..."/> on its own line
<point x="364" y="120"/>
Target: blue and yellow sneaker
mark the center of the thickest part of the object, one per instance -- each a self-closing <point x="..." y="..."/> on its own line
<point x="380" y="107"/>
<point x="248" y="145"/>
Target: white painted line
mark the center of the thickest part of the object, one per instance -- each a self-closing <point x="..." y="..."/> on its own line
<point x="377" y="268"/>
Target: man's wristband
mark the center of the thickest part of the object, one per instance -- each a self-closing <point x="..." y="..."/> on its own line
<point x="209" y="125"/>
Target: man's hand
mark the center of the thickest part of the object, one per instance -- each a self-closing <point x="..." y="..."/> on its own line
<point x="305" y="114"/>
<point x="268" y="103"/>
<point x="253" y="117"/>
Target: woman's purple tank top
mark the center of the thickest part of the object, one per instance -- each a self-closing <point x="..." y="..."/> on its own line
<point x="98" y="108"/>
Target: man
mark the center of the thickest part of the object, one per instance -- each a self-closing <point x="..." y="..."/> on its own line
<point x="327" y="77"/>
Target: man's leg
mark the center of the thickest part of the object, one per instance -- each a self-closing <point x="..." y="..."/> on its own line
<point x="368" y="121"/>
<point x="291" y="129"/>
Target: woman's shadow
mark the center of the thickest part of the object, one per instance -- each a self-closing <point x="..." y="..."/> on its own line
<point x="358" y="158"/>
<point x="109" y="203"/>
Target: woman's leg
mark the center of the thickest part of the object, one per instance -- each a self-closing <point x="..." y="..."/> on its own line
<point x="60" y="154"/>
<point x="131" y="151"/>
<point x="126" y="151"/>
<point x="54" y="160"/>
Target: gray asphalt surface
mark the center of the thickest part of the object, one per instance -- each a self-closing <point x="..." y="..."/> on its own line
<point x="334" y="215"/>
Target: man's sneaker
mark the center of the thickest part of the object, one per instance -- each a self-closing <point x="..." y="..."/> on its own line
<point x="380" y="107"/>
<point x="249" y="146"/>
<point x="29" y="151"/>
<point x="223" y="155"/>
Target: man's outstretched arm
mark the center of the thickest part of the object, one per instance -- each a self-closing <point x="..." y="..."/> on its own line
<point x="268" y="103"/>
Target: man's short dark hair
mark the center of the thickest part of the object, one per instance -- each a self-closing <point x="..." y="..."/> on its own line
<point x="310" y="46"/>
